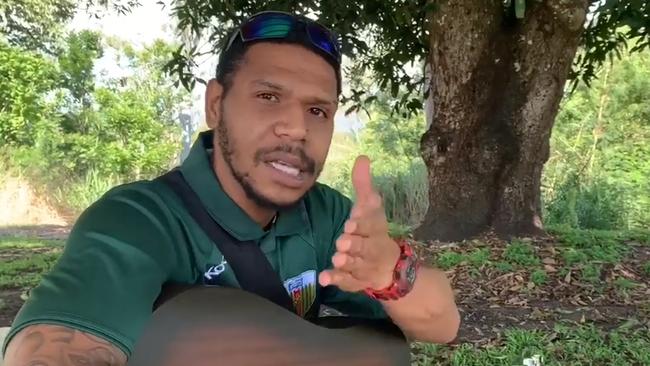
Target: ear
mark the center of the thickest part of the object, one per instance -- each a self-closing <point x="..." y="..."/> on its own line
<point x="213" y="95"/>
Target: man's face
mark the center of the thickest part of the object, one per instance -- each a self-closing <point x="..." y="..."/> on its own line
<point x="275" y="124"/>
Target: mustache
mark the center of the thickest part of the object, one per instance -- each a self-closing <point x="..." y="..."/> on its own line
<point x="308" y="165"/>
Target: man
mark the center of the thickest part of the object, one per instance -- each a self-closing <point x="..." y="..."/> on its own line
<point x="270" y="111"/>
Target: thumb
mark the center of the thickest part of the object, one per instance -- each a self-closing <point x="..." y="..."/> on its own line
<point x="361" y="178"/>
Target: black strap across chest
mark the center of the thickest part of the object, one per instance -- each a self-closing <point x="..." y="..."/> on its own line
<point x="249" y="264"/>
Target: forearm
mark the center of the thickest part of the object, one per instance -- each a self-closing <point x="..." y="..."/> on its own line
<point x="50" y="345"/>
<point x="428" y="313"/>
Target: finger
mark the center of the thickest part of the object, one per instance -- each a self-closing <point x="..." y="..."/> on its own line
<point x="356" y="211"/>
<point x="366" y="206"/>
<point x="350" y="244"/>
<point x="341" y="279"/>
<point x="361" y="178"/>
<point x="348" y="263"/>
<point x="367" y="226"/>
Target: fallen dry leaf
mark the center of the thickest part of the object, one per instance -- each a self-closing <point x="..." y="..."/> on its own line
<point x="549" y="261"/>
<point x="629" y="275"/>
<point x="519" y="278"/>
<point x="494" y="295"/>
<point x="549" y="268"/>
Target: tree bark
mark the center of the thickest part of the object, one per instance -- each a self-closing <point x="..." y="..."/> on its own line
<point x="496" y="86"/>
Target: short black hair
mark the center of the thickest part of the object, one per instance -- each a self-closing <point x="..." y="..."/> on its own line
<point x="230" y="59"/>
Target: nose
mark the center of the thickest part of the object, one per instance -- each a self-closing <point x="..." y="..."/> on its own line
<point x="292" y="124"/>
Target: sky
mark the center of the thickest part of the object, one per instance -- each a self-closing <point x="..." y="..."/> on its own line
<point x="146" y="24"/>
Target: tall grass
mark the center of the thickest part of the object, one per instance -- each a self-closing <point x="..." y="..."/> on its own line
<point x="76" y="195"/>
<point x="586" y="204"/>
<point x="403" y="187"/>
<point x="405" y="194"/>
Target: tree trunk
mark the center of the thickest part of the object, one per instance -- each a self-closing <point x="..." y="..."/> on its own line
<point x="496" y="86"/>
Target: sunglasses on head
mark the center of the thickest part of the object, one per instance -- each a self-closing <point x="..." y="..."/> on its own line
<point x="276" y="25"/>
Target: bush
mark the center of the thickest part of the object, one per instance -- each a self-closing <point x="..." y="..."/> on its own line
<point x="75" y="137"/>
<point x="598" y="173"/>
<point x="592" y="205"/>
<point x="25" y="79"/>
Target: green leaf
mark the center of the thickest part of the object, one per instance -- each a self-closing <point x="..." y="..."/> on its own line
<point x="520" y="8"/>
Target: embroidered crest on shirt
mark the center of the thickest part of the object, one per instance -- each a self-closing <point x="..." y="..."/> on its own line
<point x="302" y="290"/>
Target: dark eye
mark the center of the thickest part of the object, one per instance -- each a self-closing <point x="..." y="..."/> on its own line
<point x="318" y="112"/>
<point x="268" y="96"/>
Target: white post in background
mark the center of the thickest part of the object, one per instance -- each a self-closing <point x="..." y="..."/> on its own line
<point x="428" y="101"/>
<point x="188" y="128"/>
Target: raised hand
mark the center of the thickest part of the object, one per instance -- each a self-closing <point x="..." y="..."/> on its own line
<point x="365" y="254"/>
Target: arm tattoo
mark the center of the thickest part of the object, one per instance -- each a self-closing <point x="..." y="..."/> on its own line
<point x="50" y="345"/>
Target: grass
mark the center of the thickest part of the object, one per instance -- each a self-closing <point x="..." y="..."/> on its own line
<point x="538" y="277"/>
<point x="521" y="253"/>
<point x="479" y="257"/>
<point x="585" y="249"/>
<point x="476" y="258"/>
<point x="574" y="344"/>
<point x="504" y="267"/>
<point x="449" y="259"/>
<point x="24" y="261"/>
<point x="574" y="256"/>
<point x="29" y="244"/>
<point x="582" y="246"/>
<point x="588" y="250"/>
<point x="396" y="230"/>
<point x="27" y="272"/>
<point x="591" y="273"/>
<point x="624" y="284"/>
<point x="566" y="346"/>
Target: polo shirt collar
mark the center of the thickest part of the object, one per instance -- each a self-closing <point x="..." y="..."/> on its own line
<point x="199" y="174"/>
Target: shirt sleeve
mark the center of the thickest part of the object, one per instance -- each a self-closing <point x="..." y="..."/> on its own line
<point x="355" y="304"/>
<point x="114" y="263"/>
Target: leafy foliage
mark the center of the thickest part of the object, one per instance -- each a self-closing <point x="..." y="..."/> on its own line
<point x="521" y="253"/>
<point x="391" y="142"/>
<point x="76" y="63"/>
<point x="380" y="41"/>
<point x="575" y="345"/>
<point x="97" y="7"/>
<point x="399" y="174"/>
<point x="26" y="77"/>
<point x="615" y="24"/>
<point x="65" y="126"/>
<point x="384" y="43"/>
<point x="598" y="175"/>
<point x="34" y="24"/>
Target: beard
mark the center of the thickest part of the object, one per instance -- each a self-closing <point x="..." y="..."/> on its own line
<point x="228" y="150"/>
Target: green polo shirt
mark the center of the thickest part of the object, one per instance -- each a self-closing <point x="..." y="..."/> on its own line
<point x="138" y="236"/>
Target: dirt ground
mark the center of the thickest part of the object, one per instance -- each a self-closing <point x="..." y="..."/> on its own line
<point x="26" y="206"/>
<point x="490" y="300"/>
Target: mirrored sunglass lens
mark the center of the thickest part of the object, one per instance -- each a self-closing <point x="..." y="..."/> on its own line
<point x="268" y="26"/>
<point x="323" y="40"/>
